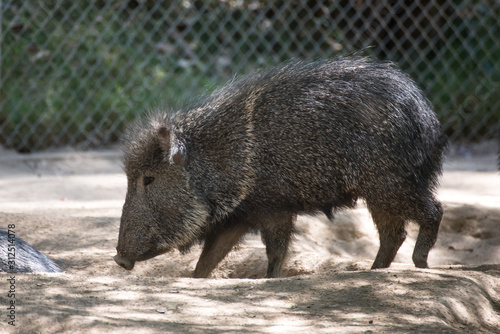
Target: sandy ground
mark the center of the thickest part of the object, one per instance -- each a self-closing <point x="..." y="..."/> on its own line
<point x="68" y="205"/>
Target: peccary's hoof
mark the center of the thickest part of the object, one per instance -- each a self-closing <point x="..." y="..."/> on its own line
<point x="125" y="263"/>
<point x="421" y="264"/>
<point x="420" y="261"/>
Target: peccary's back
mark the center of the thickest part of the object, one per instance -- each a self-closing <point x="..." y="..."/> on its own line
<point x="328" y="132"/>
<point x="324" y="133"/>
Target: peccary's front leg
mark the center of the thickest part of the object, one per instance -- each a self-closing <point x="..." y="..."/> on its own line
<point x="216" y="247"/>
<point x="276" y="232"/>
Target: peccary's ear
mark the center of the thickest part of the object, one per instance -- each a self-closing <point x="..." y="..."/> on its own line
<point x="177" y="151"/>
<point x="172" y="146"/>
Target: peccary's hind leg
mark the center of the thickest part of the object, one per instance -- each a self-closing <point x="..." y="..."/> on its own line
<point x="392" y="233"/>
<point x="428" y="217"/>
<point x="216" y="247"/>
<point x="276" y="232"/>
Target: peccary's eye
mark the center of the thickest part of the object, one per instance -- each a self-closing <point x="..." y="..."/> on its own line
<point x="148" y="180"/>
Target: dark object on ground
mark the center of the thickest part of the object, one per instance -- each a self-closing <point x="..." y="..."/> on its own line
<point x="299" y="138"/>
<point x="25" y="258"/>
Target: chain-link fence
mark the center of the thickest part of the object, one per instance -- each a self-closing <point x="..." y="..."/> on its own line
<point x="75" y="72"/>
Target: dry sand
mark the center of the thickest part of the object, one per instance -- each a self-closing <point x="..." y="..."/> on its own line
<point x="68" y="204"/>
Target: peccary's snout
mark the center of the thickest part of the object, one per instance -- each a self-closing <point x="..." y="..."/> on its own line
<point x="124" y="263"/>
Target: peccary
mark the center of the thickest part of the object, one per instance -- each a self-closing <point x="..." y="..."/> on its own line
<point x="25" y="257"/>
<point x="298" y="138"/>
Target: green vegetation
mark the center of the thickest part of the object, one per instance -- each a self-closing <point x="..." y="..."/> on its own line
<point x="75" y="72"/>
<point x="78" y="74"/>
<point x="463" y="80"/>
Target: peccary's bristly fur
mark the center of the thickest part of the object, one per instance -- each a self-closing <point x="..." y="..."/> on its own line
<point x="303" y="137"/>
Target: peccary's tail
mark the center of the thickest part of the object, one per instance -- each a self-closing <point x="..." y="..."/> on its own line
<point x="435" y="143"/>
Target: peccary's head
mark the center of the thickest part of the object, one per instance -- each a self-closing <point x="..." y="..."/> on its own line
<point x="161" y="210"/>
